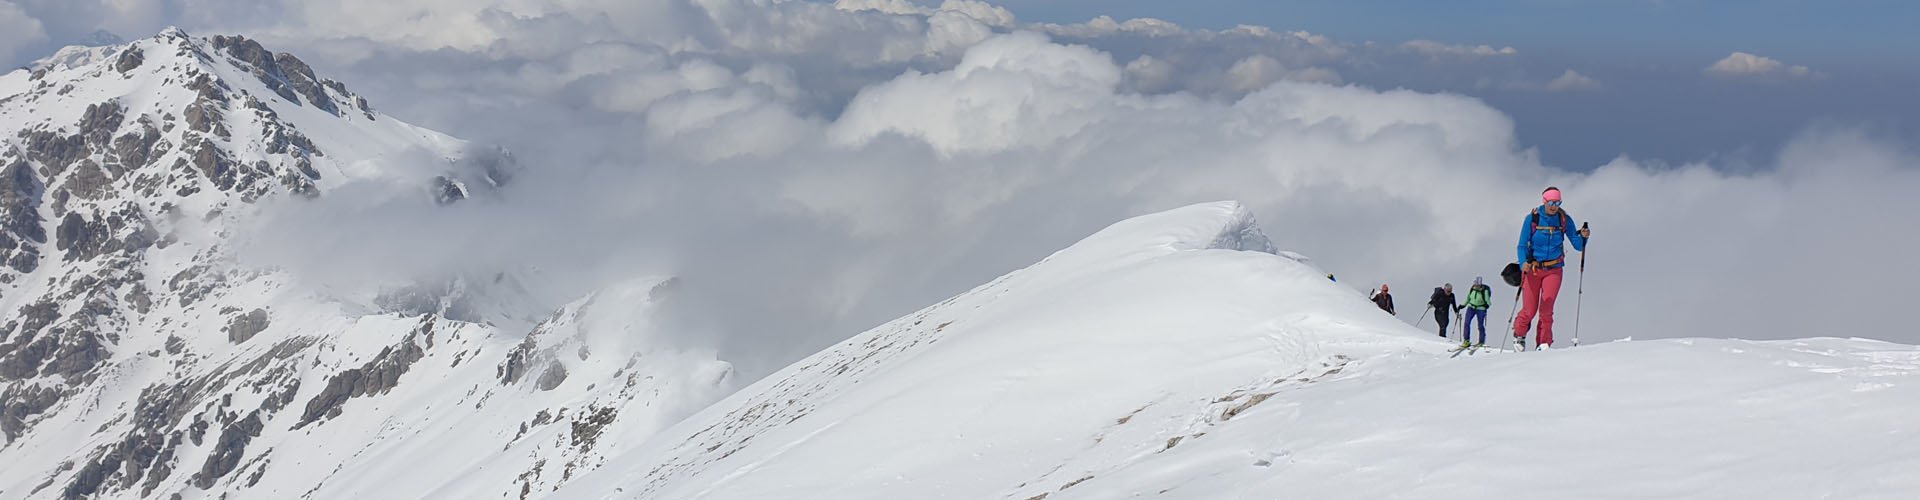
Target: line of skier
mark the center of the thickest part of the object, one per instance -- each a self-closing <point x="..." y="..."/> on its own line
<point x="1538" y="272"/>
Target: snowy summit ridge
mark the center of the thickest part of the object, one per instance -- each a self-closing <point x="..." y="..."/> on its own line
<point x="1175" y="355"/>
<point x="1016" y="386"/>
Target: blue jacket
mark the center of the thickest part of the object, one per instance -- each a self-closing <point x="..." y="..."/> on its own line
<point x="1545" y="243"/>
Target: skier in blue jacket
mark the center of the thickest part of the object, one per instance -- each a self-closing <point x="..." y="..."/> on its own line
<point x="1543" y="254"/>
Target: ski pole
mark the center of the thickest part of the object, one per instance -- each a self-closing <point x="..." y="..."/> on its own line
<point x="1580" y="295"/>
<point x="1513" y="311"/>
<point x="1459" y="325"/>
<point x="1423" y="316"/>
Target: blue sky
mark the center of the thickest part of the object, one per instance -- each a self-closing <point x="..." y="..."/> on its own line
<point x="1648" y="54"/>
<point x="1845" y="32"/>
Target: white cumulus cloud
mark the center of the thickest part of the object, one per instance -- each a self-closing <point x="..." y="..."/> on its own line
<point x="1258" y="71"/>
<point x="1568" y="81"/>
<point x="1107" y="26"/>
<point x="1750" y="67"/>
<point x="1150" y="75"/>
<point x="1438" y="50"/>
<point x="961" y="110"/>
<point x="17" y="30"/>
<point x="990" y="14"/>
<point x="1572" y="81"/>
<point x="886" y="6"/>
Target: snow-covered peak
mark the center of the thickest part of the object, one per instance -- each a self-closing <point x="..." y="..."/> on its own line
<point x="138" y="358"/>
<point x="1224" y="225"/>
<point x="1156" y="319"/>
<point x="74" y="56"/>
<point x="158" y="139"/>
<point x="1154" y="359"/>
<point x="233" y="90"/>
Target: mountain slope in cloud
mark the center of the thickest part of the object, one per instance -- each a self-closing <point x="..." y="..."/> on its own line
<point x="139" y="358"/>
<point x="1175" y="355"/>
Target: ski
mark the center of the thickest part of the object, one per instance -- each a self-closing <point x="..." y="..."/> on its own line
<point x="1472" y="350"/>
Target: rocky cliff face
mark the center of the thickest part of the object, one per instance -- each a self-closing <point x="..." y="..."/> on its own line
<point x="137" y="359"/>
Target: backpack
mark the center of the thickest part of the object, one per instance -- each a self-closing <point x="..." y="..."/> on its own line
<point x="1533" y="220"/>
<point x="1483" y="293"/>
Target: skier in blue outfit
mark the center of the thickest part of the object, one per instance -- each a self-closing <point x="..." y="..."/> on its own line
<point x="1540" y="248"/>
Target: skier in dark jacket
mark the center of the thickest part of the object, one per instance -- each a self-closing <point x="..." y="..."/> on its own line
<point x="1384" y="300"/>
<point x="1444" y="306"/>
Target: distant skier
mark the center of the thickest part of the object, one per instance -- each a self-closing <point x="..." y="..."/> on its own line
<point x="1479" y="299"/>
<point x="1444" y="306"/>
<point x="1384" y="300"/>
<point x="1541" y="250"/>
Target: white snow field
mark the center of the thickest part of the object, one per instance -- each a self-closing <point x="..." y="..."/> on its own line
<point x="1175" y="355"/>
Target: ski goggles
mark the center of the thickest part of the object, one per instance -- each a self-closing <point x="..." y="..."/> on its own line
<point x="1553" y="203"/>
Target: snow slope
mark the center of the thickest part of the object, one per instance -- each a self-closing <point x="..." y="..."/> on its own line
<point x="1174" y="356"/>
<point x="1818" y="418"/>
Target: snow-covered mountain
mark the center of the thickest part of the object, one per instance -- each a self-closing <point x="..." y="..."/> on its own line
<point x="1174" y="355"/>
<point x="138" y="359"/>
<point x="1177" y="356"/>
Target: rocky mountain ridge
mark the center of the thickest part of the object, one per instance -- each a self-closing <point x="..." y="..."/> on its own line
<point x="139" y="359"/>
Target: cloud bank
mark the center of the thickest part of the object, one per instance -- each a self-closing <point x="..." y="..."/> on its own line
<point x="810" y="170"/>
